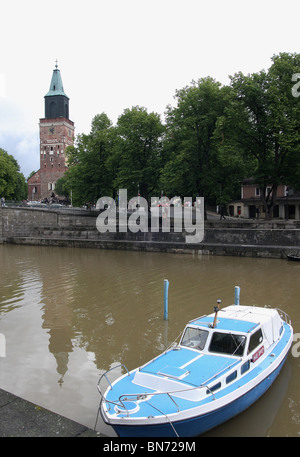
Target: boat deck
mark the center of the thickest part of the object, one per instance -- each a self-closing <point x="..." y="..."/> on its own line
<point x="188" y="366"/>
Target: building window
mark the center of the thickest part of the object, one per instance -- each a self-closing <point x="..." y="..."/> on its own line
<point x="257" y="192"/>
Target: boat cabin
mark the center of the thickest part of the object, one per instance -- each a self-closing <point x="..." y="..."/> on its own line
<point x="237" y="332"/>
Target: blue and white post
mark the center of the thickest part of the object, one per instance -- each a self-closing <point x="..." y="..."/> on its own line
<point x="166" y="289"/>
<point x="237" y="295"/>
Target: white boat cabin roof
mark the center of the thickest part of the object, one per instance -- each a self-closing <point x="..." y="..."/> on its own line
<point x="238" y="318"/>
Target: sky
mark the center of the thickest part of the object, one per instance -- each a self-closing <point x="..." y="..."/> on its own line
<point x="115" y="54"/>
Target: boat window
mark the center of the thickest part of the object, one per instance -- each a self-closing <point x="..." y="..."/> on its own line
<point x="227" y="343"/>
<point x="194" y="338"/>
<point x="245" y="367"/>
<point x="213" y="388"/>
<point x="231" y="377"/>
<point x="255" y="340"/>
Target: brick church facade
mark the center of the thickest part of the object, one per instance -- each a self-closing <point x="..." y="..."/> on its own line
<point x="56" y="133"/>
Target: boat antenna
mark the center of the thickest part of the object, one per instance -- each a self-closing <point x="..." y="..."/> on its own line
<point x="216" y="309"/>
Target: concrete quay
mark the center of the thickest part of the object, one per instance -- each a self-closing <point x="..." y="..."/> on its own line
<point x="21" y="418"/>
<point x="77" y="229"/>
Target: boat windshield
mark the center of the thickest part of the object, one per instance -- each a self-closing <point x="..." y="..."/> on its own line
<point x="194" y="338"/>
<point x="227" y="343"/>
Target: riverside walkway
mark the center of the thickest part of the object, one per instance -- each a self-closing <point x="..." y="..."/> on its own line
<point x="21" y="418"/>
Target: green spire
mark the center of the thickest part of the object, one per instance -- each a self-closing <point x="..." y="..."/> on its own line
<point x="56" y="86"/>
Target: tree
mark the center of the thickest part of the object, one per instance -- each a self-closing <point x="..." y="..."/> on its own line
<point x="138" y="152"/>
<point x="285" y="112"/>
<point x="262" y="120"/>
<point x="61" y="187"/>
<point x="194" y="167"/>
<point x="88" y="176"/>
<point x="12" y="182"/>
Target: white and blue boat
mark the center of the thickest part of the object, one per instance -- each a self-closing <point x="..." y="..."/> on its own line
<point x="221" y="365"/>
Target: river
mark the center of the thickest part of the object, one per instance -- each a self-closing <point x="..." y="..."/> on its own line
<point x="68" y="315"/>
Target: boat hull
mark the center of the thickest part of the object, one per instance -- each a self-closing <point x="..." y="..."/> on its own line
<point x="200" y="424"/>
<point x="294" y="258"/>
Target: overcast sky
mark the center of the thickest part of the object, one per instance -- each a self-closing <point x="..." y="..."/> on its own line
<point x="115" y="54"/>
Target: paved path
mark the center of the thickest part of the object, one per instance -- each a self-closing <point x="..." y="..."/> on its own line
<point x="20" y="418"/>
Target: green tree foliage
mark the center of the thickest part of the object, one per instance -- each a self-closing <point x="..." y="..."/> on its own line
<point x="12" y="182"/>
<point x="61" y="187"/>
<point x="110" y="158"/>
<point x="138" y="152"/>
<point x="195" y="165"/>
<point x="213" y="138"/>
<point x="262" y="123"/>
<point x="89" y="175"/>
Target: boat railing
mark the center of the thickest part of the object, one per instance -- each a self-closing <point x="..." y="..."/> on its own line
<point x="144" y="397"/>
<point x="136" y="397"/>
<point x="284" y="316"/>
<point x="104" y="375"/>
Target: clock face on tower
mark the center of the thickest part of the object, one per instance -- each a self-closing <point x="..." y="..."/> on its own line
<point x="51" y="130"/>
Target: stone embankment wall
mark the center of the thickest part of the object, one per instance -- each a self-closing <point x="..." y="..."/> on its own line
<point x="77" y="228"/>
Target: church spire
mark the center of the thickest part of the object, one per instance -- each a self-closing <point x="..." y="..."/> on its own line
<point x="56" y="101"/>
<point x="56" y="85"/>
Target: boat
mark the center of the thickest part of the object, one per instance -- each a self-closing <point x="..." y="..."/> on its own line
<point x="222" y="363"/>
<point x="294" y="258"/>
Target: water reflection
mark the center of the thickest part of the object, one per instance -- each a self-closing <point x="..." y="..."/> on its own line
<point x="70" y="314"/>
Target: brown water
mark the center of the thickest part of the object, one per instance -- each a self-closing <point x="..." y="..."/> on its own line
<point x="70" y="314"/>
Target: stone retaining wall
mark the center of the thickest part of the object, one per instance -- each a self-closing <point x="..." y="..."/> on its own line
<point x="77" y="228"/>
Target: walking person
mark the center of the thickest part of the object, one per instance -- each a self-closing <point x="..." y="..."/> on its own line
<point x="222" y="212"/>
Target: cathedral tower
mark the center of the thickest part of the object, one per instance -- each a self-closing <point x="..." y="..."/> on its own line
<point x="56" y="133"/>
